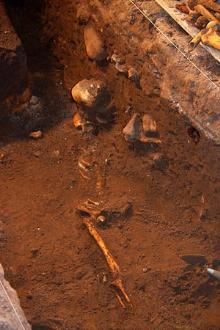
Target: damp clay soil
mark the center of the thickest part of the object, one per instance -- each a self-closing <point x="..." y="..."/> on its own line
<point x="172" y="235"/>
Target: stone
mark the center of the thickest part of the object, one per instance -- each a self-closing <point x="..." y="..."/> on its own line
<point x="9" y="320"/>
<point x="149" y="126"/>
<point x="101" y="220"/>
<point x="79" y="122"/>
<point x="132" y="129"/>
<point x="56" y="153"/>
<point x="90" y="92"/>
<point x="33" y="108"/>
<point x="34" y="252"/>
<point x="133" y="132"/>
<point x="104" y="278"/>
<point x="82" y="124"/>
<point x="95" y="47"/>
<point x="34" y="100"/>
<point x="146" y="269"/>
<point x="3" y="155"/>
<point x="37" y="153"/>
<point x="36" y="135"/>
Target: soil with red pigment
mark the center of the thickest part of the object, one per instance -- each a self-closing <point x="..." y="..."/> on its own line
<point x="48" y="255"/>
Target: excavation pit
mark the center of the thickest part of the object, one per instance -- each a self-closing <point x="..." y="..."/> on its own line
<point x="59" y="272"/>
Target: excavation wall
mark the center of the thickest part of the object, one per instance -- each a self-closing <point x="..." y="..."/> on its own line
<point x="13" y="66"/>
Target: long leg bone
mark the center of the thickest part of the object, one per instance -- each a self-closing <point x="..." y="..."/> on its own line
<point x="206" y="13"/>
<point x="113" y="266"/>
<point x="209" y="4"/>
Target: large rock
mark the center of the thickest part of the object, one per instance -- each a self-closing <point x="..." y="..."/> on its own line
<point x="90" y="92"/>
<point x="13" y="66"/>
<point x="95" y="47"/>
<point x="11" y="314"/>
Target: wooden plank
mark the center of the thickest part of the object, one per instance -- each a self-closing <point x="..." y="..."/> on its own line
<point x="180" y="18"/>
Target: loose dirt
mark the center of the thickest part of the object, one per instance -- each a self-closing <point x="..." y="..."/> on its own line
<point x="48" y="255"/>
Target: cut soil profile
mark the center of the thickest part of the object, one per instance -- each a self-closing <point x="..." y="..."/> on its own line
<point x="173" y="233"/>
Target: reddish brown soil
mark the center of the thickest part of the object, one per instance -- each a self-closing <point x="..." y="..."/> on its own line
<point x="48" y="254"/>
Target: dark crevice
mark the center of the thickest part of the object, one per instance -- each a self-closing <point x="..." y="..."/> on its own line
<point x="45" y="77"/>
<point x="40" y="327"/>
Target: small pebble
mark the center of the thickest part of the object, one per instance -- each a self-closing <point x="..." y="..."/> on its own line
<point x="2" y="156"/>
<point x="146" y="269"/>
<point x="34" y="252"/>
<point x="37" y="154"/>
<point x="36" y="135"/>
<point x="34" y="100"/>
<point x="104" y="279"/>
<point x="101" y="220"/>
<point x="56" y="153"/>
